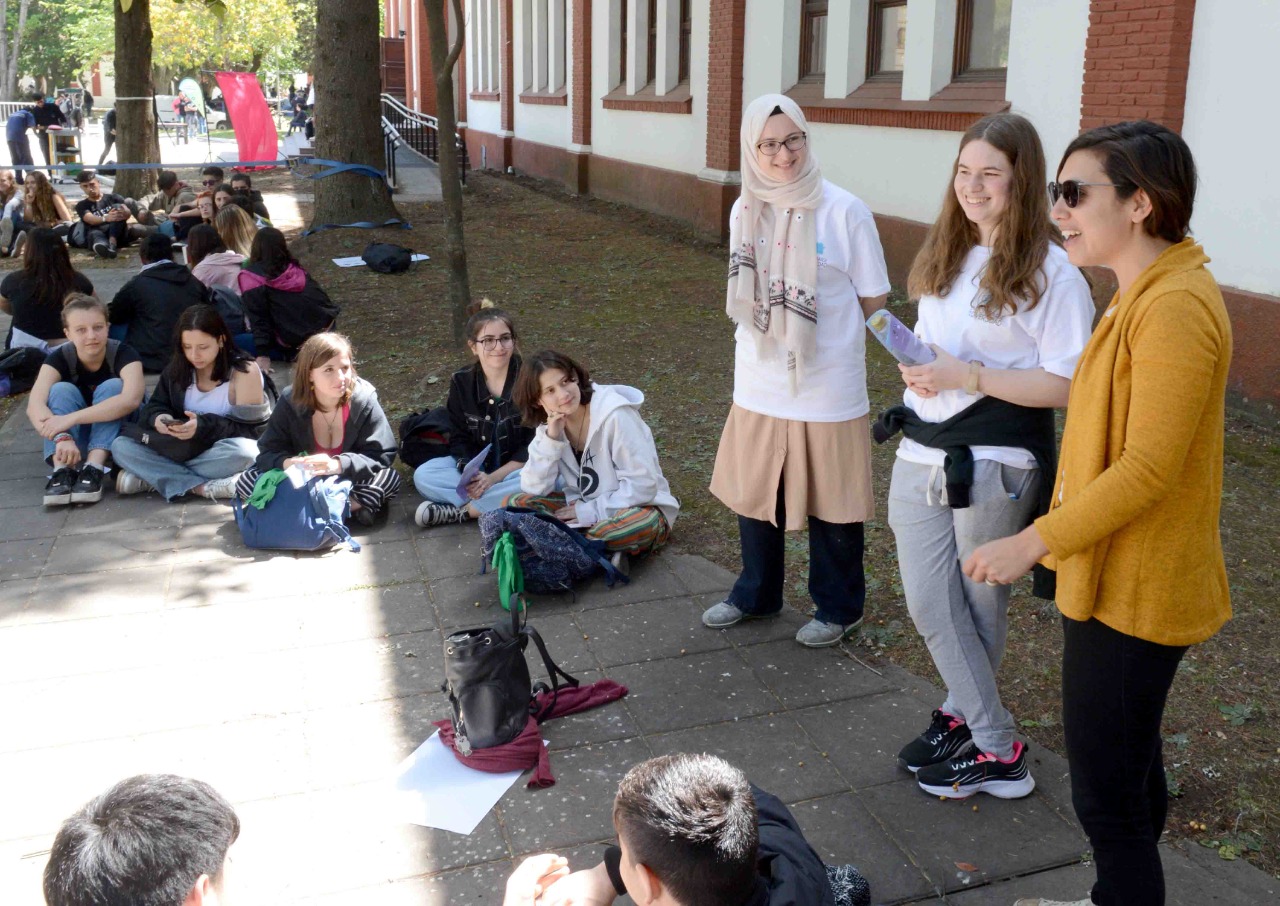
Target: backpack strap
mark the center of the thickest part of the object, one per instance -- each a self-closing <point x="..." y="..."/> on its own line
<point x="72" y="358"/>
<point x="553" y="671"/>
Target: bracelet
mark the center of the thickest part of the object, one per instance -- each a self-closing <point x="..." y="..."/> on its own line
<point x="59" y="438"/>
<point x="971" y="382"/>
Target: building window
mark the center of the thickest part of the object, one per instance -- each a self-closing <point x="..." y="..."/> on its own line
<point x="982" y="39"/>
<point x="686" y="37"/>
<point x="484" y="48"/>
<point x="813" y="39"/>
<point x="887" y="40"/>
<point x="542" y="26"/>
<point x="622" y="51"/>
<point x="651" y="61"/>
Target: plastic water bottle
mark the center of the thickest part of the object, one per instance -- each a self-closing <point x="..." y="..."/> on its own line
<point x="896" y="337"/>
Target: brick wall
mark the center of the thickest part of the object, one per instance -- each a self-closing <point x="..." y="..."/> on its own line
<point x="506" y="77"/>
<point x="580" y="90"/>
<point x="1136" y="61"/>
<point x="724" y="82"/>
<point x="426" y="87"/>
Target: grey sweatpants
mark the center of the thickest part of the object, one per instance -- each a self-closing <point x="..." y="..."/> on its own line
<point x="964" y="623"/>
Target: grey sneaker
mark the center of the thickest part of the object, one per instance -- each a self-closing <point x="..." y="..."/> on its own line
<point x="724" y="615"/>
<point x="128" y="483"/>
<point x="221" y="488"/>
<point x="817" y="634"/>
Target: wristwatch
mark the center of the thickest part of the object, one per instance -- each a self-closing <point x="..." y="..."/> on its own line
<point x="971" y="382"/>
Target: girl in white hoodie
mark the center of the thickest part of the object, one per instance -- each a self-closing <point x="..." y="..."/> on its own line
<point x="592" y="462"/>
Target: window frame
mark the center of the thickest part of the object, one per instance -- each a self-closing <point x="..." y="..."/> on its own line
<point x="810" y="10"/>
<point x="685" y="44"/>
<point x="875" y="9"/>
<point x="960" y="71"/>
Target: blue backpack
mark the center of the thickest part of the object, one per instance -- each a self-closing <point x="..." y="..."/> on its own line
<point x="553" y="557"/>
<point x="308" y="518"/>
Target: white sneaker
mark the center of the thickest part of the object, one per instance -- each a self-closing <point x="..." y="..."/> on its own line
<point x="221" y="488"/>
<point x="128" y="483"/>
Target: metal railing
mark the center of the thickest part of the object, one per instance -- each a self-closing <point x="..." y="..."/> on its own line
<point x="390" y="142"/>
<point x="420" y="131"/>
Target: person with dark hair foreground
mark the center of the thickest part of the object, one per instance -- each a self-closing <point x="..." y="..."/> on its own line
<point x="34" y="294"/>
<point x="1133" y="528"/>
<point x="150" y="840"/>
<point x="148" y="306"/>
<point x="592" y="461"/>
<point x="285" y="306"/>
<point x="693" y="832"/>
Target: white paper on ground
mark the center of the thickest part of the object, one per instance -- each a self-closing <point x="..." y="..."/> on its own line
<point x="357" y="261"/>
<point x="433" y="789"/>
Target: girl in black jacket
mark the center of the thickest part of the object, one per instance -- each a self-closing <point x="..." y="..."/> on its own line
<point x="284" y="305"/>
<point x="481" y="414"/>
<point x="211" y="398"/>
<point x="330" y="423"/>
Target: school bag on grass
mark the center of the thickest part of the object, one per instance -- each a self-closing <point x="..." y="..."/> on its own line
<point x="486" y="677"/>
<point x="302" y="518"/>
<point x="553" y="557"/>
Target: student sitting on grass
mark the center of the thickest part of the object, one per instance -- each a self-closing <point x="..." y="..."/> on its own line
<point x="482" y="413"/>
<point x="212" y="394"/>
<point x="592" y="462"/>
<point x="330" y="423"/>
<point x="693" y="832"/>
<point x="84" y="390"/>
<point x="150" y="840"/>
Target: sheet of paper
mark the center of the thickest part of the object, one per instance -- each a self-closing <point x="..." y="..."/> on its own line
<point x="357" y="261"/>
<point x="469" y="472"/>
<point x="297" y="475"/>
<point x="433" y="789"/>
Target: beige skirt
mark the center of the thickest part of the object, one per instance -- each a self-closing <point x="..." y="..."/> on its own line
<point x="825" y="468"/>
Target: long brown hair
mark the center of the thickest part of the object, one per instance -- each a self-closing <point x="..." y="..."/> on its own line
<point x="236" y="229"/>
<point x="318" y="349"/>
<point x="47" y="265"/>
<point x="1021" y="239"/>
<point x="41" y="209"/>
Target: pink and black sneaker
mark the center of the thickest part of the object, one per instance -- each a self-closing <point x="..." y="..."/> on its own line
<point x="979" y="772"/>
<point x="947" y="737"/>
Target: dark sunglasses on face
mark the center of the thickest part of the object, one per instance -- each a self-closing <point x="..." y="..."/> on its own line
<point x="1069" y="190"/>
<point x="209" y="182"/>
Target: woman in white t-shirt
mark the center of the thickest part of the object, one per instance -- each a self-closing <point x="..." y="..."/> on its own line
<point x="805" y="269"/>
<point x="1007" y="315"/>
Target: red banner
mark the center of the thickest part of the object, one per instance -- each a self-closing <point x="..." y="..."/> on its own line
<point x="254" y="125"/>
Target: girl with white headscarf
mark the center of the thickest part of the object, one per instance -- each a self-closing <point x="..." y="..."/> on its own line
<point x="805" y="269"/>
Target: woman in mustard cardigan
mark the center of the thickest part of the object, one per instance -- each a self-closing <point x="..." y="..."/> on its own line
<point x="1133" y="530"/>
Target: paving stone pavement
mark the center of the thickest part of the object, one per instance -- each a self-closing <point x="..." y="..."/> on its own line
<point x="138" y="636"/>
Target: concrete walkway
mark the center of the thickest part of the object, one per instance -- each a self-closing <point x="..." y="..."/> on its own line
<point x="139" y="636"/>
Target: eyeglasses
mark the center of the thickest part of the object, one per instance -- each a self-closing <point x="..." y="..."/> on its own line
<point x="1069" y="190"/>
<point x="492" y="343"/>
<point x="770" y="147"/>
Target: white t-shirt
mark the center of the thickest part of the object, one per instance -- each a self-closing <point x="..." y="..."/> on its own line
<point x="833" y="386"/>
<point x="1050" y="336"/>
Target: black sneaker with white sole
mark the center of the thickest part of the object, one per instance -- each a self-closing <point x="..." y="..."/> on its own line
<point x="979" y="772"/>
<point x="88" y="487"/>
<point x="58" y="491"/>
<point x="947" y="737"/>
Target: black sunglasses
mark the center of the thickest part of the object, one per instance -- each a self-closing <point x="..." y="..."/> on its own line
<point x="1069" y="190"/>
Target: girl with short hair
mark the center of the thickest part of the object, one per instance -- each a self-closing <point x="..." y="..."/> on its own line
<point x="592" y="462"/>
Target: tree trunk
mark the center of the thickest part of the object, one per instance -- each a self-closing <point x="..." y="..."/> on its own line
<point x="443" y="60"/>
<point x="348" y="115"/>
<point x="136" y="127"/>
<point x="11" y="51"/>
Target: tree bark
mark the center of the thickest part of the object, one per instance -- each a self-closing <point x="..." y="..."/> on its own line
<point x="348" y="114"/>
<point x="443" y="59"/>
<point x="136" y="127"/>
<point x="11" y="49"/>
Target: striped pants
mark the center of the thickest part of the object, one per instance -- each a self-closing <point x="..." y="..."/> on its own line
<point x="636" y="530"/>
<point x="371" y="494"/>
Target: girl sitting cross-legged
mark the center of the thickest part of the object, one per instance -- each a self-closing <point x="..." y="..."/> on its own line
<point x="330" y="423"/>
<point x="482" y="414"/>
<point x="211" y="393"/>
<point x="592" y="462"/>
<point x="84" y="390"/>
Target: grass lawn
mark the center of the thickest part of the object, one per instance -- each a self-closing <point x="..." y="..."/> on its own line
<point x="641" y="300"/>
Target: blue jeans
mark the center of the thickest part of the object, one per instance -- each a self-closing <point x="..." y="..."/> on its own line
<point x="173" y="479"/>
<point x="837" y="582"/>
<point x="437" y="480"/>
<point x="65" y="398"/>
